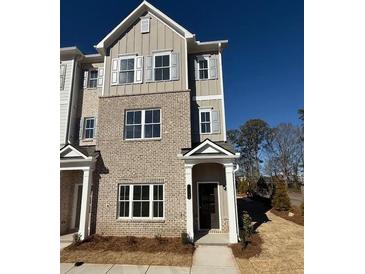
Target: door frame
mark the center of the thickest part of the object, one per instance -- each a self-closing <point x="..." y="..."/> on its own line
<point x="219" y="204"/>
<point x="74" y="206"/>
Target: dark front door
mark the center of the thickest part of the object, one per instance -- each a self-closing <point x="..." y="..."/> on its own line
<point x="208" y="206"/>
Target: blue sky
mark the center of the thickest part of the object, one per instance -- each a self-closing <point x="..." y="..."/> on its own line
<point x="263" y="66"/>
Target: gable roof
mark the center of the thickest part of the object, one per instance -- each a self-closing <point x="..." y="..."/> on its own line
<point x="69" y="151"/>
<point x="209" y="147"/>
<point x="134" y="15"/>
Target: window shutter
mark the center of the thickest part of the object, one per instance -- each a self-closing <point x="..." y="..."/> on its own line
<point x="95" y="126"/>
<point x="148" y="69"/>
<point x="215" y="121"/>
<point x="81" y="128"/>
<point x="138" y="70"/>
<point x="212" y="68"/>
<point x="115" y="65"/>
<point x="100" y="77"/>
<point x="196" y="68"/>
<point x="175" y="73"/>
<point x="63" y="74"/>
<point x="86" y="73"/>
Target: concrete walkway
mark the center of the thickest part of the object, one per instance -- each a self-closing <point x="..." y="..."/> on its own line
<point x="206" y="260"/>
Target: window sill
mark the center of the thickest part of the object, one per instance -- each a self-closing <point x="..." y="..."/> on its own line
<point x="91" y="88"/>
<point x="140" y="220"/>
<point x="88" y="139"/>
<point x="143" y="139"/>
<point x="205" y="133"/>
<point x="125" y="84"/>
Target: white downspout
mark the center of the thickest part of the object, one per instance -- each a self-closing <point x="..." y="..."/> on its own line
<point x="235" y="200"/>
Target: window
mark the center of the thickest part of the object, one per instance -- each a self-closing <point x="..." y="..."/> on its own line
<point x="145" y="25"/>
<point x="162" y="67"/>
<point x="89" y="128"/>
<point x="126" y="73"/>
<point x="143" y="124"/>
<point x="158" y="201"/>
<point x="203" y="68"/>
<point x="123" y="201"/>
<point x="205" y="121"/>
<point x="93" y="78"/>
<point x="141" y="201"/>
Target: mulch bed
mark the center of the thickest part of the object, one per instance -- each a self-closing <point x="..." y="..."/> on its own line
<point x="252" y="249"/>
<point x="297" y="218"/>
<point x="132" y="244"/>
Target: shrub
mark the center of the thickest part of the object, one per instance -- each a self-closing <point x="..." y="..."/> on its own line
<point x="159" y="238"/>
<point x="302" y="208"/>
<point x="76" y="238"/>
<point x="246" y="231"/>
<point x="242" y="186"/>
<point x="281" y="199"/>
<point x="185" y="238"/>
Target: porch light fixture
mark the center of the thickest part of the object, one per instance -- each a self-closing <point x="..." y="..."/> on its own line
<point x="189" y="192"/>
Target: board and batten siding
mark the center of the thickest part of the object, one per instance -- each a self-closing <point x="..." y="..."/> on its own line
<point x="65" y="100"/>
<point x="160" y="38"/>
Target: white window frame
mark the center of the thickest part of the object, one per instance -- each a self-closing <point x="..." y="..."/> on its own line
<point x="85" y="128"/>
<point x="154" y="67"/>
<point x="143" y="115"/>
<point x="90" y="79"/>
<point x="210" y="118"/>
<point x="134" y="68"/>
<point x="202" y="58"/>
<point x="150" y="200"/>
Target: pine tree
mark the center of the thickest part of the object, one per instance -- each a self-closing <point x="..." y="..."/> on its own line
<point x="281" y="199"/>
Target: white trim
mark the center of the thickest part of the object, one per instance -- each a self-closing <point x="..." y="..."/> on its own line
<point x="231" y="203"/>
<point x="222" y="89"/>
<point x="150" y="201"/>
<point x="189" y="202"/>
<point x="201" y="110"/>
<point x="202" y="58"/>
<point x="186" y="65"/>
<point x="207" y="141"/>
<point x="207" y="97"/>
<point x="145" y="19"/>
<point x="75" y="150"/>
<point x="103" y="87"/>
<point x="74" y="207"/>
<point x="219" y="204"/>
<point x="161" y="53"/>
<point x="143" y="115"/>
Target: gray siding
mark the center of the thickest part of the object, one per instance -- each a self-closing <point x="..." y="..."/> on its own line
<point x="160" y="37"/>
<point x="65" y="101"/>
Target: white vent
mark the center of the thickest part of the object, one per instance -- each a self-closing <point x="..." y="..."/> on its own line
<point x="145" y="25"/>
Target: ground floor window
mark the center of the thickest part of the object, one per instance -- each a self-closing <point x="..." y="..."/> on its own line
<point x="141" y="201"/>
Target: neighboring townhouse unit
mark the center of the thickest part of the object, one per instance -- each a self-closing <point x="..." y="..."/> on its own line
<point x="148" y="153"/>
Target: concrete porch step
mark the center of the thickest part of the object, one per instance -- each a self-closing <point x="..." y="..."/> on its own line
<point x="217" y="239"/>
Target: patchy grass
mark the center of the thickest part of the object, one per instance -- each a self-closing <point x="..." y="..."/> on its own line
<point x="297" y="218"/>
<point x="251" y="250"/>
<point x="130" y="250"/>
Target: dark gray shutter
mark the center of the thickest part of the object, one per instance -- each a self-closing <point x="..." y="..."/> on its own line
<point x="175" y="65"/>
<point x="215" y="121"/>
<point x="81" y="130"/>
<point x="196" y="68"/>
<point x="148" y="69"/>
<point x="212" y="67"/>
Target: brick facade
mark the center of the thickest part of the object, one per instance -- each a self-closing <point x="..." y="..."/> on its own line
<point x="145" y="161"/>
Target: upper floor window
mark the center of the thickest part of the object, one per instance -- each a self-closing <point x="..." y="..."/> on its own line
<point x="143" y="124"/>
<point x="126" y="73"/>
<point x="89" y="128"/>
<point x="62" y="76"/>
<point x="162" y="67"/>
<point x="203" y="68"/>
<point x="93" y="78"/>
<point x="205" y="120"/>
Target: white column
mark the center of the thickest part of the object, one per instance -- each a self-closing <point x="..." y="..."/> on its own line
<point x="189" y="202"/>
<point x="231" y="204"/>
<point x="85" y="203"/>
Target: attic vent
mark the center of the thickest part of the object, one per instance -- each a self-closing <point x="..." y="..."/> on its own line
<point x="145" y="25"/>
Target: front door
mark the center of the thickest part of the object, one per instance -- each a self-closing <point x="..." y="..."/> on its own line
<point x="208" y="206"/>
